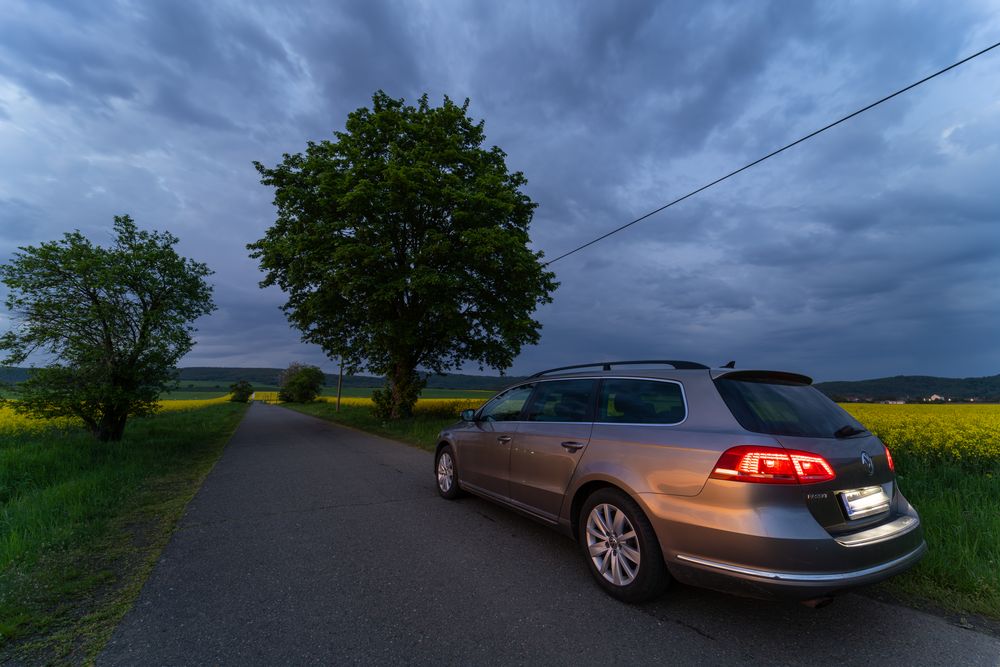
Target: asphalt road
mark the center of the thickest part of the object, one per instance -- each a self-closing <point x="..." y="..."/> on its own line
<point x="311" y="543"/>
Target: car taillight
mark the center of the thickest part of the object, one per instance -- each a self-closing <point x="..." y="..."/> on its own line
<point x="888" y="457"/>
<point x="772" y="465"/>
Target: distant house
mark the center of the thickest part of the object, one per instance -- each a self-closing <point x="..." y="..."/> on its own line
<point x="935" y="398"/>
<point x="893" y="402"/>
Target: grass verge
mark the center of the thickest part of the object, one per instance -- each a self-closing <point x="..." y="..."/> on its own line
<point x="419" y="430"/>
<point x="82" y="524"/>
<point x="959" y="507"/>
<point x="960" y="511"/>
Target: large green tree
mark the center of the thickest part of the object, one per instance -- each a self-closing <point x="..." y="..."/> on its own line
<point x="403" y="244"/>
<point x="112" y="323"/>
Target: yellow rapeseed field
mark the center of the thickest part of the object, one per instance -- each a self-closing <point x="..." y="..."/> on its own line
<point x="968" y="434"/>
<point x="191" y="404"/>
<point x="12" y="423"/>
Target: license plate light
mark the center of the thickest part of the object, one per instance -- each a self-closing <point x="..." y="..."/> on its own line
<point x="859" y="503"/>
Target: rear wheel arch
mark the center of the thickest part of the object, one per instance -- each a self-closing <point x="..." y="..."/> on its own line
<point x="580" y="497"/>
<point x="622" y="550"/>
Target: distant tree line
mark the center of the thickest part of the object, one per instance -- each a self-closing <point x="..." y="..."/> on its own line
<point x="914" y="388"/>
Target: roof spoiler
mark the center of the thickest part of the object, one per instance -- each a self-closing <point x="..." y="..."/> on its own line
<point x="776" y="377"/>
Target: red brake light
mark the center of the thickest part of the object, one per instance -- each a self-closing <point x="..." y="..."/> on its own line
<point x="888" y="457"/>
<point x="772" y="465"/>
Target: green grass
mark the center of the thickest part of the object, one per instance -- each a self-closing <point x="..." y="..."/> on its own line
<point x="82" y="523"/>
<point x="960" y="512"/>
<point x="959" y="507"/>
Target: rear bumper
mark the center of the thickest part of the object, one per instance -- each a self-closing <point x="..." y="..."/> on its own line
<point x="778" y="584"/>
<point x="777" y="550"/>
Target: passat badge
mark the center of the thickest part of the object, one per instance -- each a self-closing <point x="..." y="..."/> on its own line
<point x="868" y="463"/>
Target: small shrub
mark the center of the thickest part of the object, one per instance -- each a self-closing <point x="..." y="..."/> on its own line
<point x="300" y="383"/>
<point x="240" y="392"/>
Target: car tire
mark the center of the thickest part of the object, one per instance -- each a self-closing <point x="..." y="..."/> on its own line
<point x="446" y="473"/>
<point x="625" y="556"/>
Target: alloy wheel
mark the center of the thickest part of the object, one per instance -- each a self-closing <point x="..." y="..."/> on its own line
<point x="445" y="472"/>
<point x="613" y="544"/>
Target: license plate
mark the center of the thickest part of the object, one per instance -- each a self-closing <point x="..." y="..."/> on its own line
<point x="859" y="503"/>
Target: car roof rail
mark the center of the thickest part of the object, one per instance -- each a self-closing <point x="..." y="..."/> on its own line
<point x="607" y="365"/>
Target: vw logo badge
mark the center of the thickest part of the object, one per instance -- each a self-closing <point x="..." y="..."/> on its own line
<point x="866" y="460"/>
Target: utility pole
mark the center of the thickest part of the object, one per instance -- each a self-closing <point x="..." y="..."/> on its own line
<point x="340" y="382"/>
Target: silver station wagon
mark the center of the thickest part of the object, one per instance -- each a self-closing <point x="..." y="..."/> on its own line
<point x="746" y="481"/>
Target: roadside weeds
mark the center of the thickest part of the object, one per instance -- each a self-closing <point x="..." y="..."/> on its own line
<point x="64" y="595"/>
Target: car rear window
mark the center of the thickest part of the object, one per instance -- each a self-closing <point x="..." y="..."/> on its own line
<point x="640" y="402"/>
<point x="763" y="405"/>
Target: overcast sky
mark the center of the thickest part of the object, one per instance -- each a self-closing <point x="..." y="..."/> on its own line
<point x="871" y="250"/>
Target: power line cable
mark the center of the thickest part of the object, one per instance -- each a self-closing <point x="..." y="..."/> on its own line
<point x="772" y="154"/>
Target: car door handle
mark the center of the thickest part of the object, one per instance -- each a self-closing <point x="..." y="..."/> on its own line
<point x="572" y="446"/>
<point x="503" y="439"/>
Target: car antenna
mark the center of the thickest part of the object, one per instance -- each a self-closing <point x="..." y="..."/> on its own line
<point x="731" y="364"/>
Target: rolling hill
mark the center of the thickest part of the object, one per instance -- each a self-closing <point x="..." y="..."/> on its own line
<point x="269" y="377"/>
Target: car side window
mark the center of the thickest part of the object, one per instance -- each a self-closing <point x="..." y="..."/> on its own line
<point x="640" y="402"/>
<point x="561" y="401"/>
<point x="506" y="406"/>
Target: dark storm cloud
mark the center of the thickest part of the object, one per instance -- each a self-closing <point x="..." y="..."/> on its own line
<point x="360" y="48"/>
<point x="228" y="46"/>
<point x="171" y="101"/>
<point x="59" y="66"/>
<point x="870" y="250"/>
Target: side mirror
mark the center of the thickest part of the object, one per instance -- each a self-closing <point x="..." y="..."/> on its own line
<point x="468" y="415"/>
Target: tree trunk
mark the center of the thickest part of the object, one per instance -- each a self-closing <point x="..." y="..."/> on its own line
<point x="111" y="426"/>
<point x="404" y="388"/>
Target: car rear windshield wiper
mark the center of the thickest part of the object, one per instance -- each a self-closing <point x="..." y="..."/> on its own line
<point x="847" y="431"/>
